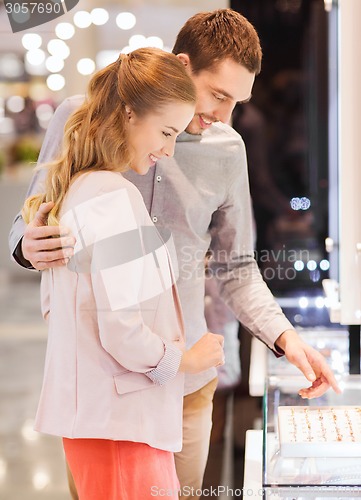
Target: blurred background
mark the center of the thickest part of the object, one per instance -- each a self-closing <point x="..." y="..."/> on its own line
<point x="284" y="127"/>
<point x="286" y="131"/>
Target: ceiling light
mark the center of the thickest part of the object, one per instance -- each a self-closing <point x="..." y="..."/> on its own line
<point x="99" y="16"/>
<point x="82" y="19"/>
<point x="58" y="48"/>
<point x="86" y="66"/>
<point x="65" y="31"/>
<point x="54" y="64"/>
<point x="137" y="41"/>
<point x="31" y="41"/>
<point x="55" y="82"/>
<point x="154" y="41"/>
<point x="126" y="20"/>
<point x="15" y="104"/>
<point x="35" y="57"/>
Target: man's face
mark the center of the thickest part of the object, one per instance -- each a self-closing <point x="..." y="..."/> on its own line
<point x="218" y="91"/>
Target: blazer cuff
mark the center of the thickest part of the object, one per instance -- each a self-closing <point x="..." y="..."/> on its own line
<point x="168" y="366"/>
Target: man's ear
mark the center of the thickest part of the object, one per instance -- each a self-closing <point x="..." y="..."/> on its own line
<point x="184" y="58"/>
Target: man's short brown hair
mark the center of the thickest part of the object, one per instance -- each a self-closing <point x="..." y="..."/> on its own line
<point x="210" y="37"/>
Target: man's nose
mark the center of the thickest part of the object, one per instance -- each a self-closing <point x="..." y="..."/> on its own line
<point x="224" y="112"/>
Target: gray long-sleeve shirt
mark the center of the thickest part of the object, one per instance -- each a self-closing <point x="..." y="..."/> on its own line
<point x="202" y="197"/>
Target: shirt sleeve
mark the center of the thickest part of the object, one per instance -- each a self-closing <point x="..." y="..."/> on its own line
<point x="240" y="281"/>
<point x="126" y="282"/>
<point x="49" y="150"/>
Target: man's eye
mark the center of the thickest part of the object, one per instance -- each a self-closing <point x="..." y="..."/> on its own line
<point x="167" y="134"/>
<point x="219" y="97"/>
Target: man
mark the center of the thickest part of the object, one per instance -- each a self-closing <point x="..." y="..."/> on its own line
<point x="202" y="197"/>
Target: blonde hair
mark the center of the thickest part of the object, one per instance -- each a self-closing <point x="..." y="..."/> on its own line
<point x="95" y="136"/>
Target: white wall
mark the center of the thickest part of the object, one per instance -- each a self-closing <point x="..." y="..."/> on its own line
<point x="349" y="79"/>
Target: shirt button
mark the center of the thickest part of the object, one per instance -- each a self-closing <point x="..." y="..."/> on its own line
<point x="159" y="178"/>
<point x="155" y="219"/>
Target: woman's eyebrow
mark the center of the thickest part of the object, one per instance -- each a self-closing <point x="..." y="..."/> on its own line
<point x="175" y="130"/>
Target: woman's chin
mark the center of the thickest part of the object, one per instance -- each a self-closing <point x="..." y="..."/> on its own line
<point x="143" y="170"/>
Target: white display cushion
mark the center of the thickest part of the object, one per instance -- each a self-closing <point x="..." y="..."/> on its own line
<point x="319" y="431"/>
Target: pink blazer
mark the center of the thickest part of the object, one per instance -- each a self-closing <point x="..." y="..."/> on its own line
<point x="115" y="325"/>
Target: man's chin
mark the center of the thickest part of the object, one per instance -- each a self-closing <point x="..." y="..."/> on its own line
<point x="194" y="129"/>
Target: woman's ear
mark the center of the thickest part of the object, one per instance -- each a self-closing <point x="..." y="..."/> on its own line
<point x="128" y="111"/>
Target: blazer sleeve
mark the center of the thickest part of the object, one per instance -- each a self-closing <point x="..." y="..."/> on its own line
<point x="127" y="282"/>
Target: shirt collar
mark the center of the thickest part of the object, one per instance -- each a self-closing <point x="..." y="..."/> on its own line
<point x="185" y="137"/>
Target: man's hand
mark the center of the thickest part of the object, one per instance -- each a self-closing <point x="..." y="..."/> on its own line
<point x="46" y="246"/>
<point x="310" y="362"/>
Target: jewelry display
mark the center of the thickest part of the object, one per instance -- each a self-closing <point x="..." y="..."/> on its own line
<point x="320" y="431"/>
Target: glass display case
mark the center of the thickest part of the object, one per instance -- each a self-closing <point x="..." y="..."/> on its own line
<point x="307" y="475"/>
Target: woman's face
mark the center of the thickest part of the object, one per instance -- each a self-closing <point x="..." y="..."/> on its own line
<point x="153" y="136"/>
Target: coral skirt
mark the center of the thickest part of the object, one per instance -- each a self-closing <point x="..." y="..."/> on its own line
<point x="120" y="470"/>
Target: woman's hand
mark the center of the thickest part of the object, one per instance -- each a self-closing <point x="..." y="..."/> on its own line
<point x="204" y="354"/>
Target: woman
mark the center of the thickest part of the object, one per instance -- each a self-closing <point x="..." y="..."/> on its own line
<point x="113" y="381"/>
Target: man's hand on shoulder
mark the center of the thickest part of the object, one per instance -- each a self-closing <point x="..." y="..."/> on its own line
<point x="46" y="246"/>
<point x="310" y="362"/>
